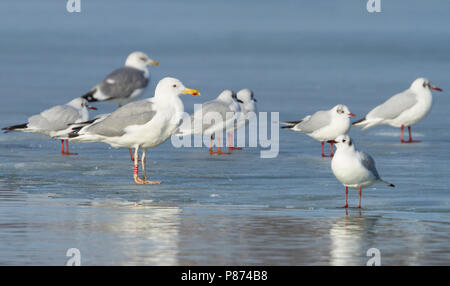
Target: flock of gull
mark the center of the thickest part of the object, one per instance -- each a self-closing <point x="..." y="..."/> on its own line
<point x="148" y="123"/>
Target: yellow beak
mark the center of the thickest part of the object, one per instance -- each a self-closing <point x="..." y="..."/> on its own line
<point x="153" y="63"/>
<point x="191" y="91"/>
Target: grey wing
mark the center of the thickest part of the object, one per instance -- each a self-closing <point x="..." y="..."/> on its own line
<point x="54" y="119"/>
<point x="394" y="106"/>
<point x="314" y="122"/>
<point x="212" y="106"/>
<point x="134" y="113"/>
<point x="122" y="82"/>
<point x="369" y="163"/>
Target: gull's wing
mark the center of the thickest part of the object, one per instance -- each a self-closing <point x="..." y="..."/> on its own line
<point x="122" y="82"/>
<point x="369" y="163"/>
<point x="55" y="118"/>
<point x="394" y="106"/>
<point x="314" y="122"/>
<point x="134" y="113"/>
<point x="211" y="106"/>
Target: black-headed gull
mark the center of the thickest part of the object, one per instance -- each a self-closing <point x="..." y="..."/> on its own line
<point x="403" y="109"/>
<point x="141" y="125"/>
<point x="324" y="125"/>
<point x="214" y="117"/>
<point x="55" y="121"/>
<point x="247" y="104"/>
<point x="124" y="84"/>
<point x="353" y="168"/>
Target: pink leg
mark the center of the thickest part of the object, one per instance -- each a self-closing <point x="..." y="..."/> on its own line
<point x="231" y="142"/>
<point x="346" y="198"/>
<point x="331" y="152"/>
<point x="360" y="194"/>
<point x="67" y="148"/>
<point x="410" y="136"/>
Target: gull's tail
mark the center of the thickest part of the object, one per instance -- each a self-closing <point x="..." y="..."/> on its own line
<point x="19" y="127"/>
<point x="290" y="124"/>
<point x="367" y="123"/>
<point x="387" y="183"/>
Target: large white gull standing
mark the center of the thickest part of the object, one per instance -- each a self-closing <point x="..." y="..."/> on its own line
<point x="403" y="109"/>
<point x="140" y="125"/>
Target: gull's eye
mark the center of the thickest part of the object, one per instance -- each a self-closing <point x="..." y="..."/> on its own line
<point x="343" y="141"/>
<point x="424" y="84"/>
<point x="143" y="59"/>
<point x="174" y="85"/>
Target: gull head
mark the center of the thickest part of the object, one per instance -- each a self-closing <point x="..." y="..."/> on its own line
<point x="246" y="95"/>
<point x="341" y="111"/>
<point x="140" y="60"/>
<point x="80" y="103"/>
<point x="421" y="84"/>
<point x="228" y="96"/>
<point x="343" y="142"/>
<point x="169" y="87"/>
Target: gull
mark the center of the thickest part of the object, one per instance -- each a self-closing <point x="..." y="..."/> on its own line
<point x="403" y="109"/>
<point x="247" y="106"/>
<point x="214" y="117"/>
<point x="55" y="121"/>
<point x="140" y="125"/>
<point x="353" y="168"/>
<point x="124" y="84"/>
<point x="324" y="125"/>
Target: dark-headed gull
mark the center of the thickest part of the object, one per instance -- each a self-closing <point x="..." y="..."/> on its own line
<point x="247" y="104"/>
<point x="124" y="84"/>
<point x="141" y="125"/>
<point x="324" y="125"/>
<point x="353" y="168"/>
<point x="214" y="117"/>
<point x="403" y="109"/>
<point x="56" y="120"/>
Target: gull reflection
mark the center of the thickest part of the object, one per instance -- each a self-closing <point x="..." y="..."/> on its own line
<point x="349" y="239"/>
<point x="146" y="234"/>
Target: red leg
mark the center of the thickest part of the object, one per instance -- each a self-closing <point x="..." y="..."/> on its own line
<point x="331" y="152"/>
<point x="231" y="142"/>
<point x="346" y="198"/>
<point x="67" y="149"/>
<point x="218" y="148"/>
<point x="410" y="136"/>
<point x="62" y="147"/>
<point x="211" y="147"/>
<point x="131" y="155"/>
<point x="360" y="194"/>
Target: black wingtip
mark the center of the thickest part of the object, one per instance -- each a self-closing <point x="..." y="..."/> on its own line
<point x="73" y="134"/>
<point x="90" y="96"/>
<point x="14" y="127"/>
<point x="392" y="185"/>
<point x="286" y="127"/>
<point x="359" y="121"/>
